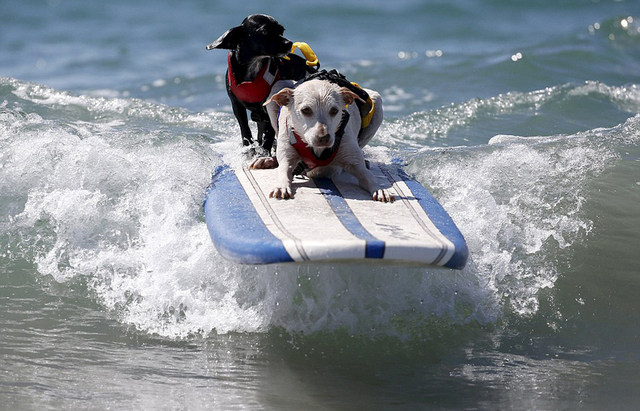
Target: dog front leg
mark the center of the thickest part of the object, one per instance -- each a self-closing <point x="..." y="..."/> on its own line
<point x="283" y="189"/>
<point x="367" y="180"/>
<point x="265" y="160"/>
<point x="266" y="134"/>
<point x="269" y="136"/>
<point x="243" y="120"/>
<point x="287" y="160"/>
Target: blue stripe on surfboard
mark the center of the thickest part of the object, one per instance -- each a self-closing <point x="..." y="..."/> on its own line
<point x="374" y="247"/>
<point x="235" y="227"/>
<point x="441" y="219"/>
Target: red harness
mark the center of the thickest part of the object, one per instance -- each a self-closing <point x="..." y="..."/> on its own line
<point x="308" y="157"/>
<point x="254" y="91"/>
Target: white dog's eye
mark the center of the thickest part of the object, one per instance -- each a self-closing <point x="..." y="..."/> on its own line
<point x="334" y="111"/>
<point x="306" y="111"/>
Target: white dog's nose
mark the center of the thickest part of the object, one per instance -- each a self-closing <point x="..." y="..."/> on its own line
<point x="323" y="140"/>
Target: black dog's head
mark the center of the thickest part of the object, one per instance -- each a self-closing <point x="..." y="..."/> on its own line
<point x="258" y="36"/>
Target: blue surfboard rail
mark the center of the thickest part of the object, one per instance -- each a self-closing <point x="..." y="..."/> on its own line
<point x="441" y="219"/>
<point x="236" y="229"/>
<point x="240" y="234"/>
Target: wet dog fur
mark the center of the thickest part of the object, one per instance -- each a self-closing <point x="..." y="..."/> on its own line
<point x="313" y="109"/>
<point x="253" y="43"/>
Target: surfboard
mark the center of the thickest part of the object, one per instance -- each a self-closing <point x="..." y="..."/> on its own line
<point x="329" y="220"/>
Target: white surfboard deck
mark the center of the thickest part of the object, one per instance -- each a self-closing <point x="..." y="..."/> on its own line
<point x="329" y="220"/>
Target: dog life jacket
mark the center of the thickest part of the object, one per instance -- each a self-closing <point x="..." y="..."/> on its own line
<point x="308" y="158"/>
<point x="256" y="90"/>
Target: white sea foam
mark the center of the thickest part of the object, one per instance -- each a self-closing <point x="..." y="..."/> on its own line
<point x="519" y="203"/>
<point x="120" y="206"/>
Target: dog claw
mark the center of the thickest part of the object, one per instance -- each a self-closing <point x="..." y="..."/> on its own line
<point x="263" y="163"/>
<point x="281" y="194"/>
<point x="383" y="196"/>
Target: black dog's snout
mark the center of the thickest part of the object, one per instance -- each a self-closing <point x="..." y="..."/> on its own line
<point x="282" y="46"/>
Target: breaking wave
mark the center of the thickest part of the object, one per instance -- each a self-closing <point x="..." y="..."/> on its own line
<point x="108" y="191"/>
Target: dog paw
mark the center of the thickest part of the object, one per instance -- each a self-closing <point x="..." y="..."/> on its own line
<point x="253" y="151"/>
<point x="281" y="193"/>
<point x="262" y="163"/>
<point x="383" y="195"/>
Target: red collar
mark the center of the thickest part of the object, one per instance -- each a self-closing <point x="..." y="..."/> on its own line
<point x="308" y="156"/>
<point x="254" y="91"/>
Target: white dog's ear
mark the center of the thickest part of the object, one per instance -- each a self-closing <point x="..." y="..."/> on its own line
<point x="349" y="96"/>
<point x="282" y="97"/>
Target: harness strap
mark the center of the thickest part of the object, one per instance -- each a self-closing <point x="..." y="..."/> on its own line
<point x="256" y="90"/>
<point x="366" y="119"/>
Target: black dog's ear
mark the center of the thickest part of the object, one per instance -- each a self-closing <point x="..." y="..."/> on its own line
<point x="229" y="40"/>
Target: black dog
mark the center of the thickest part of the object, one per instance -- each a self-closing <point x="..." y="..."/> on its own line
<point x="256" y="61"/>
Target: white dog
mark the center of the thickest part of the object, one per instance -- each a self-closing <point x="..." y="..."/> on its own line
<point x="315" y="127"/>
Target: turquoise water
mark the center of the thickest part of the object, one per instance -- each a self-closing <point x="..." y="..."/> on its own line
<point x="521" y="117"/>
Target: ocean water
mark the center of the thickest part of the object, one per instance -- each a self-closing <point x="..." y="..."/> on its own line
<point x="522" y="117"/>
